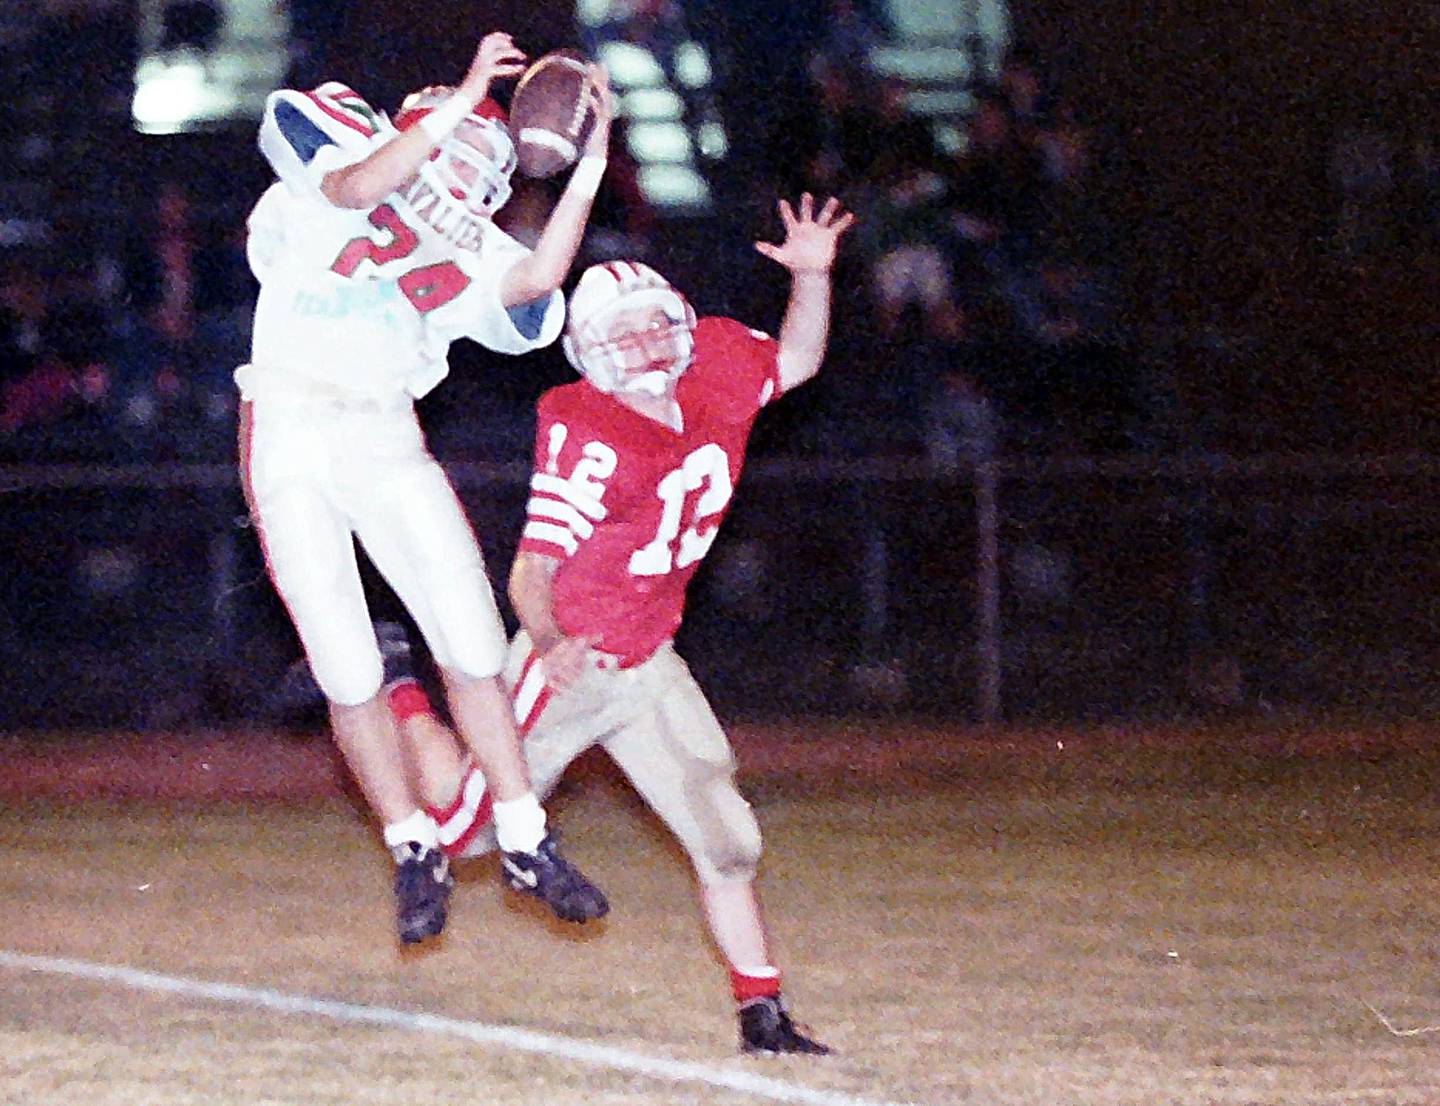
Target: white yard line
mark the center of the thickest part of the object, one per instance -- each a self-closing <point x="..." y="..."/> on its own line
<point x="503" y="1036"/>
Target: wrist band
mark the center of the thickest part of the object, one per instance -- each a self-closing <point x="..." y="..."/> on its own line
<point x="439" y="123"/>
<point x="587" y="174"/>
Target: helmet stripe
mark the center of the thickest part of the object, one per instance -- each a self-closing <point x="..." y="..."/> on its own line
<point x="330" y="109"/>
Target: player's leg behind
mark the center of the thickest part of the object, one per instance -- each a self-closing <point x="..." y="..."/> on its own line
<point x="555" y="730"/>
<point x="433" y="561"/>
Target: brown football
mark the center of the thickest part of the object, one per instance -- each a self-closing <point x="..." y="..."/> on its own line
<point x="550" y="113"/>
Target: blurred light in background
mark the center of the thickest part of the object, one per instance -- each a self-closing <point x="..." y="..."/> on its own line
<point x="692" y="66"/>
<point x="943" y="49"/>
<point x="205" y="63"/>
<point x="663" y="79"/>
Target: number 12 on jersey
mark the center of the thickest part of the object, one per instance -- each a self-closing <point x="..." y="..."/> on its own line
<point x="707" y="467"/>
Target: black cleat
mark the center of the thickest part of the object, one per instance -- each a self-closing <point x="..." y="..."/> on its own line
<point x="397" y="664"/>
<point x="766" y="1029"/>
<point x="549" y="877"/>
<point x="422" y="891"/>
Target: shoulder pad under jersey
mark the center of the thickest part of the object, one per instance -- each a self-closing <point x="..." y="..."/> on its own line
<point x="304" y="135"/>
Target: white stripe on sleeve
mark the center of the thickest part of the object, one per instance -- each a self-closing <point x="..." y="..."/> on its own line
<point x="557" y="510"/>
<point x="588" y="505"/>
<point x="551" y="534"/>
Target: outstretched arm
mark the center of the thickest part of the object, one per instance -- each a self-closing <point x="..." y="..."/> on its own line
<point x="808" y="251"/>
<point x="367" y="182"/>
<point x="545" y="269"/>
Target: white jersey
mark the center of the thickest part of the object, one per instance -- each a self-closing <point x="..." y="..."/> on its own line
<point x="365" y="303"/>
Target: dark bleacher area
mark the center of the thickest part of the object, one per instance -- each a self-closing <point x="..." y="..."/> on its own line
<point x="979" y="289"/>
<point x="1166" y="238"/>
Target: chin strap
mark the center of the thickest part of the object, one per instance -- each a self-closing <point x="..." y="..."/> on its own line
<point x="656" y="384"/>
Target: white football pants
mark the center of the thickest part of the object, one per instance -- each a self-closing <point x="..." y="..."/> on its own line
<point x="319" y="474"/>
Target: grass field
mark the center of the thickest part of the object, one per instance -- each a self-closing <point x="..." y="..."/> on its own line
<point x="1095" y="917"/>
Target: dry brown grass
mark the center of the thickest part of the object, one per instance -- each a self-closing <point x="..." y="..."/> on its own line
<point x="1130" y="919"/>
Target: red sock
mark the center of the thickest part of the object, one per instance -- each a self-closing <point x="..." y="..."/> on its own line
<point x="407" y="699"/>
<point x="748" y="986"/>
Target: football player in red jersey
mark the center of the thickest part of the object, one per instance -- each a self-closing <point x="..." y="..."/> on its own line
<point x="635" y="466"/>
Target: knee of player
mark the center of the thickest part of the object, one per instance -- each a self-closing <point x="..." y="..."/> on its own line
<point x="466" y="668"/>
<point x="468" y="649"/>
<point x="349" y="682"/>
<point x="735" y="857"/>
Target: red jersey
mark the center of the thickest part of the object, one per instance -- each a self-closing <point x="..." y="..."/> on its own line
<point x="630" y="506"/>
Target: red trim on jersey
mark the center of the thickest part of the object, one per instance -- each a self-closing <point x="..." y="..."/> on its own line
<point x="341" y="116"/>
<point x="545" y="547"/>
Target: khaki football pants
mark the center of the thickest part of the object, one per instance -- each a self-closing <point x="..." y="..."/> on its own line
<point x="657" y="725"/>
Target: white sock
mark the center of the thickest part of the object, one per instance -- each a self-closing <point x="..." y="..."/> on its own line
<point x="520" y="824"/>
<point x="767" y="972"/>
<point x="419" y="828"/>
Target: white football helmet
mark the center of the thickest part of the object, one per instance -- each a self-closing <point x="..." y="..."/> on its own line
<point x="469" y="172"/>
<point x="629" y="330"/>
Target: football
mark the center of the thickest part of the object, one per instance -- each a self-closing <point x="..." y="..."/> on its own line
<point x="550" y="113"/>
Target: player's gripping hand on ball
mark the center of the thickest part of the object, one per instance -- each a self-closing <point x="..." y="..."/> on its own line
<point x="496" y="58"/>
<point x="602" y="104"/>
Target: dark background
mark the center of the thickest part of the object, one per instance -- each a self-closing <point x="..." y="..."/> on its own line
<point x="1213" y="129"/>
<point x="1254" y="335"/>
<point x="1214" y="126"/>
<point x="1221" y="120"/>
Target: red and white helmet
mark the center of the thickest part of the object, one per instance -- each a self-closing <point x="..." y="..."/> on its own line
<point x="629" y="330"/>
<point x="469" y="170"/>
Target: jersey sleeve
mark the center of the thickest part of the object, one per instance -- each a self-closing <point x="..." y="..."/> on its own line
<point x="567" y="486"/>
<point x="478" y="313"/>
<point x="747" y="363"/>
<point x="304" y="135"/>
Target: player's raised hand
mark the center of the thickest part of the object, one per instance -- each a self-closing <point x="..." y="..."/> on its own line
<point x="496" y="57"/>
<point x="811" y="237"/>
<point x="602" y="103"/>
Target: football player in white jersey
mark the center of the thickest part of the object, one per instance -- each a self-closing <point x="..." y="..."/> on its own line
<point x="375" y="249"/>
